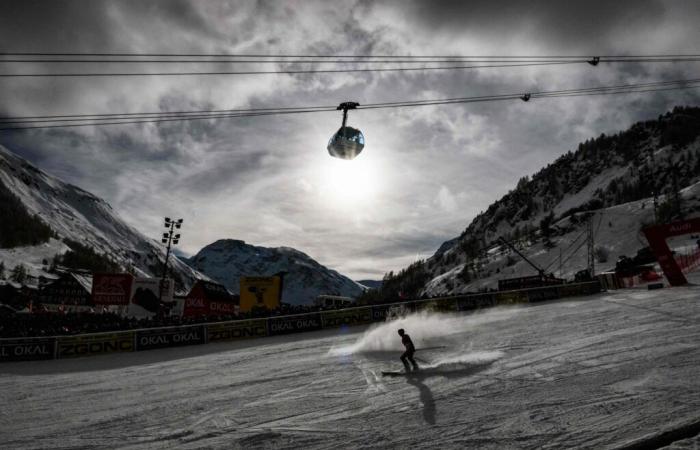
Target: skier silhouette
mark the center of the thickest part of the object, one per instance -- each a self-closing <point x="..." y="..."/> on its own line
<point x="410" y="350"/>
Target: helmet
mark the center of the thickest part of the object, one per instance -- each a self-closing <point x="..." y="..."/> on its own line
<point x="400" y="331"/>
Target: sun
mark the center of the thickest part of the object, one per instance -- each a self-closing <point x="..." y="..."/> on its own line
<point x="349" y="182"/>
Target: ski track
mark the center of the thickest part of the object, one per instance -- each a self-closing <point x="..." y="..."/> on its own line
<point x="594" y="372"/>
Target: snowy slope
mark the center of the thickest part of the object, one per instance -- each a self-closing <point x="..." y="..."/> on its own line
<point x="650" y="156"/>
<point x="227" y="260"/>
<point x="80" y="216"/>
<point x="596" y="372"/>
<point x="616" y="231"/>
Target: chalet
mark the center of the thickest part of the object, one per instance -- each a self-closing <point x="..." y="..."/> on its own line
<point x="71" y="289"/>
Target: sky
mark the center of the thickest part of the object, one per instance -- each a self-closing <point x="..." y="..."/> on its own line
<point x="424" y="173"/>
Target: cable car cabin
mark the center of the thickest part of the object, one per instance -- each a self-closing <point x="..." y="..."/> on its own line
<point x="347" y="143"/>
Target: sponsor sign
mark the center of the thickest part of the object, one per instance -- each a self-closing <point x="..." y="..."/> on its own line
<point x="293" y="324"/>
<point x="380" y="313"/>
<point x="472" y="302"/>
<point x="221" y="308"/>
<point x="354" y="316"/>
<point x="169" y="337"/>
<point x="511" y="297"/>
<point x="260" y="292"/>
<point x="438" y="305"/>
<point x="592" y="287"/>
<point x="240" y="329"/>
<point x="111" y="288"/>
<point x="195" y="306"/>
<point x="539" y="295"/>
<point x="146" y="295"/>
<point x="199" y="306"/>
<point x="95" y="344"/>
<point x="571" y="290"/>
<point x="27" y="349"/>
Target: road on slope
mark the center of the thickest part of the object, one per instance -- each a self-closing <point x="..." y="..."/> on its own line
<point x="594" y="372"/>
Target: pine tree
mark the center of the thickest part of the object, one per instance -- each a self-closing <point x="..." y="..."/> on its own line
<point x="19" y="274"/>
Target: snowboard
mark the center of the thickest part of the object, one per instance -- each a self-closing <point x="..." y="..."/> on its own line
<point x="395" y="373"/>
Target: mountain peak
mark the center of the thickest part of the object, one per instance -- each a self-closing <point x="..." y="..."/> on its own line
<point x="227" y="260"/>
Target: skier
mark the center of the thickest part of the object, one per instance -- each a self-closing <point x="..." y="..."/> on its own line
<point x="408" y="354"/>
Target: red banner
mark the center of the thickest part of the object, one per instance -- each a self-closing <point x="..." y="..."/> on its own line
<point x="657" y="235"/>
<point x="112" y="288"/>
<point x="197" y="306"/>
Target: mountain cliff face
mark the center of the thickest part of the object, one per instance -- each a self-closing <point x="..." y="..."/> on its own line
<point x="227" y="260"/>
<point x="75" y="218"/>
<point x="610" y="179"/>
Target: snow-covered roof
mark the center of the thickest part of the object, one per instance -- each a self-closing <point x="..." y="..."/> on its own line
<point x="84" y="280"/>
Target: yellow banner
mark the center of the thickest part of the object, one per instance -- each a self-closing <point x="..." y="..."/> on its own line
<point x="95" y="344"/>
<point x="261" y="292"/>
<point x="240" y="329"/>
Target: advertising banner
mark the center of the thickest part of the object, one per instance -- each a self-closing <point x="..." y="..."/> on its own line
<point x="95" y="344"/>
<point x="571" y="290"/>
<point x="198" y="306"/>
<point x="438" y="305"/>
<point x="195" y="306"/>
<point x="511" y="297"/>
<point x="221" y="308"/>
<point x="542" y="294"/>
<point x="354" y="316"/>
<point x="471" y="302"/>
<point x="592" y="287"/>
<point x="240" y="329"/>
<point x="27" y="349"/>
<point x="111" y="288"/>
<point x="145" y="296"/>
<point x="293" y="324"/>
<point x="380" y="312"/>
<point x="261" y="292"/>
<point x="169" y="337"/>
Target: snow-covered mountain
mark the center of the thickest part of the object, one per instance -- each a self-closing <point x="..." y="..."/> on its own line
<point x="78" y="216"/>
<point x="611" y="179"/>
<point x="227" y="260"/>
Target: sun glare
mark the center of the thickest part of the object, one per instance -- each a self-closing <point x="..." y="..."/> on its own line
<point x="349" y="182"/>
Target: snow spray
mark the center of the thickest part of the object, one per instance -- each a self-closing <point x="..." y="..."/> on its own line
<point x="427" y="329"/>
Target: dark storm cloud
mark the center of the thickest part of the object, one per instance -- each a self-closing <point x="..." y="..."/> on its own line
<point x="584" y="26"/>
<point x="262" y="179"/>
<point x="99" y="26"/>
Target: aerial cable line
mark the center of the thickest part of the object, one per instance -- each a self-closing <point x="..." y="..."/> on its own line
<point x="254" y="55"/>
<point x="622" y="88"/>
<point x="283" y="72"/>
<point x="480" y="64"/>
<point x="159" y="113"/>
<point x="291" y="61"/>
<point x="595" y="60"/>
<point x="129" y="118"/>
<point x="571" y="244"/>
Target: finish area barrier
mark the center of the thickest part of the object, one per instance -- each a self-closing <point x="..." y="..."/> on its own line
<point x="60" y="347"/>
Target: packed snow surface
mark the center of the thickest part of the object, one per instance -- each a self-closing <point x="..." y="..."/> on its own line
<point x="592" y="372"/>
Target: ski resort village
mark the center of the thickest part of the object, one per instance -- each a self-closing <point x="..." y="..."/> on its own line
<point x="358" y="224"/>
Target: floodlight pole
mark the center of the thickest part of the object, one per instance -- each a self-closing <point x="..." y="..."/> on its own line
<point x="169" y="238"/>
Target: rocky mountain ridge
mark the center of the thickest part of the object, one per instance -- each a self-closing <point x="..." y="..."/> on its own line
<point x="227" y="260"/>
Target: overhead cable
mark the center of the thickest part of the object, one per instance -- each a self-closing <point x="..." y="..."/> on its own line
<point x="279" y="72"/>
<point x="279" y="55"/>
<point x="67" y="120"/>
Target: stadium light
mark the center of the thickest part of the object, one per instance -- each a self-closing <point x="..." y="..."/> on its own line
<point x="169" y="238"/>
